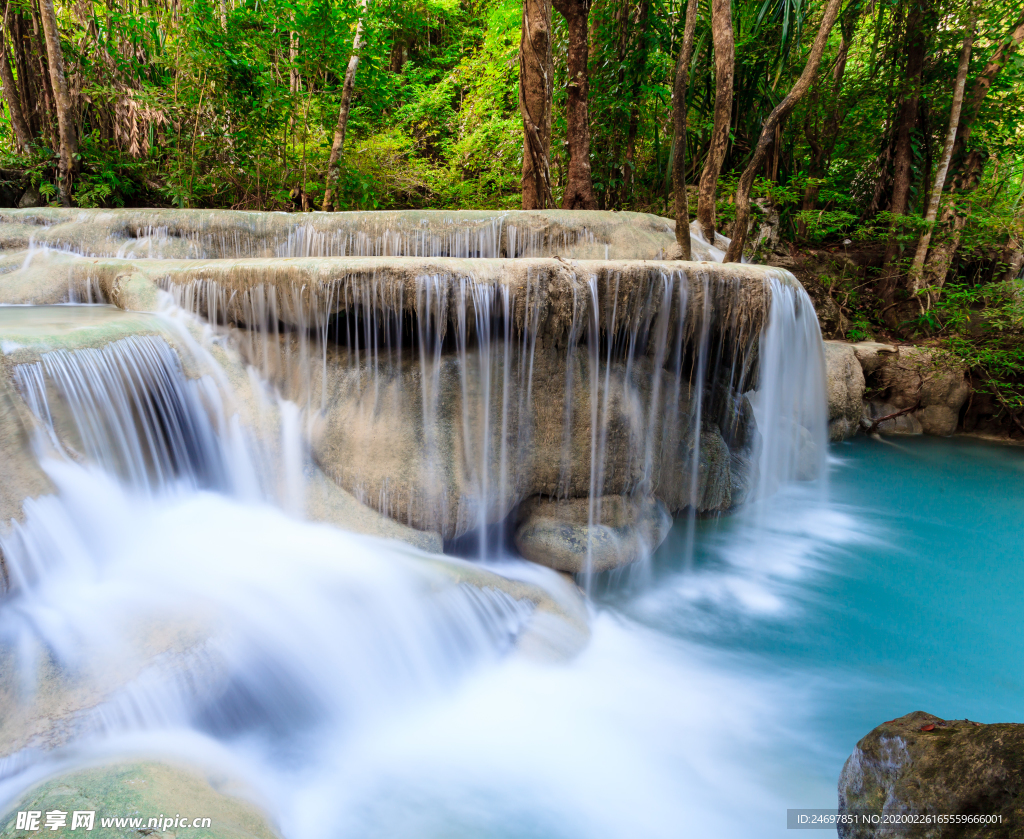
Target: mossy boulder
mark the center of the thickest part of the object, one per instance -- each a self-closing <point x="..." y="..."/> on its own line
<point x="133" y="790"/>
<point x="924" y="764"/>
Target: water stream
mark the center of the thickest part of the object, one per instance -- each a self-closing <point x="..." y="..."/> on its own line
<point x="171" y="589"/>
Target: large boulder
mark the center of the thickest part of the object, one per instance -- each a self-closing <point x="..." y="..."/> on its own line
<point x="920" y="381"/>
<point x="926" y="765"/>
<point x="171" y="795"/>
<point x="845" y="390"/>
<point x="576" y="536"/>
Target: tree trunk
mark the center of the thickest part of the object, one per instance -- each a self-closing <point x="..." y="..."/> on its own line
<point x="966" y="167"/>
<point x="979" y="90"/>
<point x="62" y="97"/>
<point x="334" y="164"/>
<point x="940" y="258"/>
<point x="1013" y="258"/>
<point x="679" y="97"/>
<point x="224" y="15"/>
<point x="49" y="114"/>
<point x="294" y="82"/>
<point x="725" y="61"/>
<point x="823" y="143"/>
<point x="536" y="69"/>
<point x="639" y="72"/>
<point x="579" y="189"/>
<point x="770" y="130"/>
<point x="915" y="280"/>
<point x="12" y="96"/>
<point x="906" y="119"/>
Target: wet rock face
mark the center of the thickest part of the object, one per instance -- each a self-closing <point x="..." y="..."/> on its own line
<point x="227" y="234"/>
<point x="845" y="388"/>
<point x="578" y="536"/>
<point x="452" y="446"/>
<point x="920" y="763"/>
<point x="889" y="389"/>
<point x="917" y="378"/>
<point x="144" y="789"/>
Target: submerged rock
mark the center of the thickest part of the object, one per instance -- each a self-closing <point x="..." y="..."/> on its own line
<point x="924" y="764"/>
<point x="576" y="536"/>
<point x="145" y="790"/>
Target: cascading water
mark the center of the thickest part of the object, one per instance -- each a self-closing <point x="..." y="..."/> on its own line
<point x="192" y="612"/>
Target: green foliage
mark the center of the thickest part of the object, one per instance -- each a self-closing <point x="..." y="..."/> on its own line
<point x="982" y="327"/>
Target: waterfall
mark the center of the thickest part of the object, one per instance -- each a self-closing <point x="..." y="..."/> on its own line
<point x="427" y="387"/>
<point x="133" y="410"/>
<point x="227" y="234"/>
<point x="500" y="385"/>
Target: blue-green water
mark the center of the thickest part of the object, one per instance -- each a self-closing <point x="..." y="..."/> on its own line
<point x="728" y="687"/>
<point x="903" y="591"/>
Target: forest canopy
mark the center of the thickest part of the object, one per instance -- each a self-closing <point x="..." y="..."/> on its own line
<point x="899" y="218"/>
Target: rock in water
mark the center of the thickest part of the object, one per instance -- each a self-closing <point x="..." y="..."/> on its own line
<point x="563" y="536"/>
<point x="924" y="764"/>
<point x="845" y="385"/>
<point x="918" y="378"/>
<point x="142" y="790"/>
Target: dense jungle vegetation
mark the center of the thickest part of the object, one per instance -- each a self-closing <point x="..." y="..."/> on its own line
<point x="879" y="142"/>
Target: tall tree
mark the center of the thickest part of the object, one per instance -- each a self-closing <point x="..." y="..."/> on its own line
<point x="642" y="27"/>
<point x="725" y="62"/>
<point x="823" y="134"/>
<point x="62" y="101"/>
<point x="12" y="96"/>
<point x="579" y="189"/>
<point x="916" y="278"/>
<point x="915" y="44"/>
<point x="966" y="167"/>
<point x="770" y="130"/>
<point x="1008" y="45"/>
<point x="680" y="91"/>
<point x="536" y="71"/>
<point x="334" y="162"/>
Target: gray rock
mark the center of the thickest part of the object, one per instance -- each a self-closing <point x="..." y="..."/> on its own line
<point x="845" y="388"/>
<point x="31" y="198"/>
<point x="920" y="378"/>
<point x="872" y="354"/>
<point x="559" y="533"/>
<point x="923" y="764"/>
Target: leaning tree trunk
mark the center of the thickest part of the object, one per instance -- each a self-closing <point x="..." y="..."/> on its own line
<point x="679" y="95"/>
<point x="725" y="61"/>
<point x="12" y="96"/>
<point x="536" y="68"/>
<point x="62" y="101"/>
<point x="770" y="130"/>
<point x="579" y="189"/>
<point x="915" y="281"/>
<point x="334" y="163"/>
